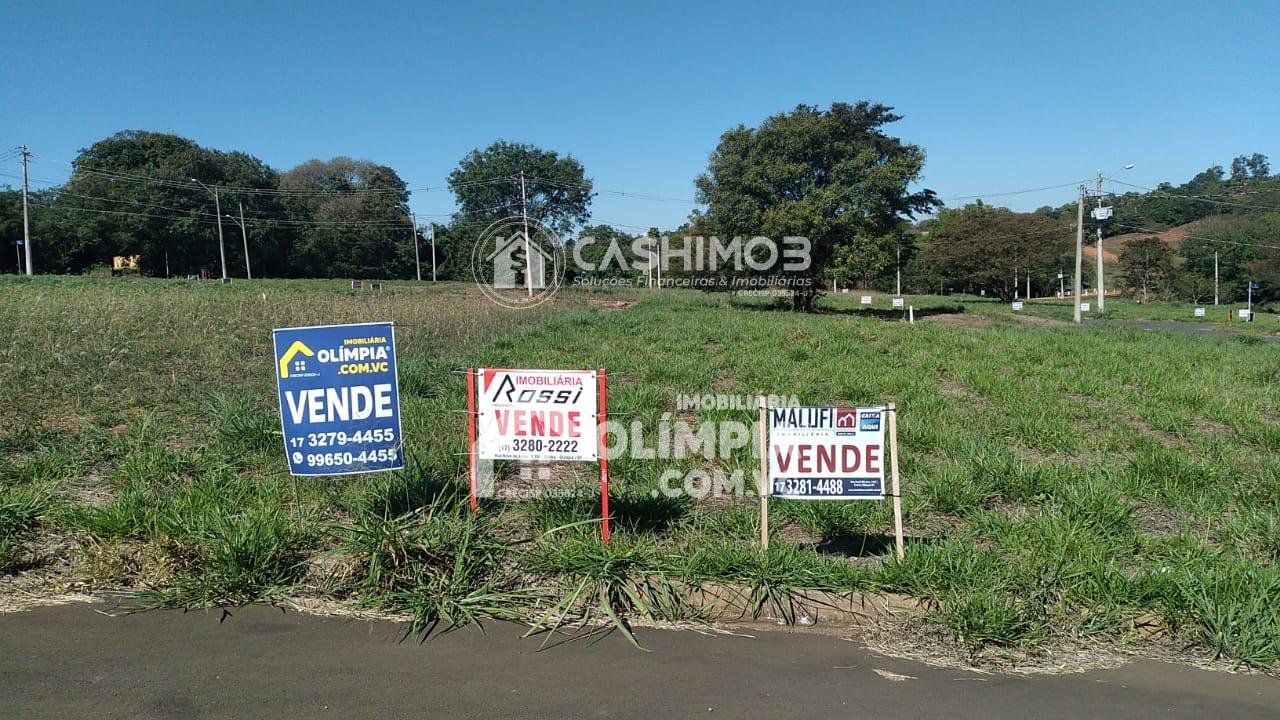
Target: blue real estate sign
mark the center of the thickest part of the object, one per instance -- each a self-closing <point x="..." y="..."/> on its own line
<point x="339" y="398"/>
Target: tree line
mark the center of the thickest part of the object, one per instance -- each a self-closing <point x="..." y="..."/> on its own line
<point x="834" y="175"/>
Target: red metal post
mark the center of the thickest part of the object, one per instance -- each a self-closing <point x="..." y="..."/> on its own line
<point x="471" y="435"/>
<point x="604" y="459"/>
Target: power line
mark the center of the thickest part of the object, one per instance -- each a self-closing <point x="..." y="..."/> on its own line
<point x="1195" y="197"/>
<point x="1197" y="237"/>
<point x="1073" y="183"/>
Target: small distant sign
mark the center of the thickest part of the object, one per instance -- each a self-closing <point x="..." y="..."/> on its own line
<point x="1101" y="213"/>
<point x="1084" y="307"/>
<point x="1244" y="313"/>
<point x="1017" y="305"/>
<point x="17" y="242"/>
<point x="866" y="300"/>
<point x="357" y="284"/>
<point x="1199" y="312"/>
<point x="1253" y="285"/>
<point x="226" y="281"/>
<point x="376" y="287"/>
<point x="897" y="302"/>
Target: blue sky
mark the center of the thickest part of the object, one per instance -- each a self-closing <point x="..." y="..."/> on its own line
<point x="1002" y="96"/>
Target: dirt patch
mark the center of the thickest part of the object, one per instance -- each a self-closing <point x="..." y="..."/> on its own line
<point x="954" y="389"/>
<point x="1043" y="322"/>
<point x="614" y="304"/>
<point x="1168" y="440"/>
<point x="957" y="320"/>
<point x="1157" y="521"/>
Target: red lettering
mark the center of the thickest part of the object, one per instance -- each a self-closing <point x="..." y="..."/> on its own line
<point x="784" y="461"/>
<point x="826" y="459"/>
<point x="873" y="459"/>
<point x="851" y="466"/>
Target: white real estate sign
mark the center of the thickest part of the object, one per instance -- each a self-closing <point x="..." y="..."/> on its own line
<point x="826" y="453"/>
<point x="866" y="300"/>
<point x="1084" y="307"/>
<point x="537" y="415"/>
<point x="897" y="302"/>
<point x="1017" y="305"/>
<point x="1199" y="312"/>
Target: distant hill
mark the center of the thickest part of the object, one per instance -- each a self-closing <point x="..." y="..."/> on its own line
<point x="1174" y="236"/>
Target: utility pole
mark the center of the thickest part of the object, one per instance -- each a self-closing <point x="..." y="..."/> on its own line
<point x="1028" y="283"/>
<point x="899" y="263"/>
<point x="431" y="230"/>
<point x="1101" y="283"/>
<point x="1079" y="252"/>
<point x="528" y="259"/>
<point x="417" y="258"/>
<point x="26" y="223"/>
<point x="1062" y="287"/>
<point x="217" y="207"/>
<point x="1215" y="277"/>
<point x="244" y="235"/>
<point x="1015" y="282"/>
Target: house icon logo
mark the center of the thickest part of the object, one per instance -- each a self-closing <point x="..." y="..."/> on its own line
<point x="846" y="419"/>
<point x="516" y="269"/>
<point x="288" y="361"/>
<point x="510" y="268"/>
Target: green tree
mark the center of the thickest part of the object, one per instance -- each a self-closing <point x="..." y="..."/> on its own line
<point x="356" y="222"/>
<point x="832" y="176"/>
<point x="133" y="194"/>
<point x="1146" y="265"/>
<point x="486" y="184"/>
<point x="980" y="249"/>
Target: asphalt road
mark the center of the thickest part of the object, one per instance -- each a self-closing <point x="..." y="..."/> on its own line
<point x="71" y="662"/>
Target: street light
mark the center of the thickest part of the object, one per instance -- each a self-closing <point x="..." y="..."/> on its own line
<point x="244" y="235"/>
<point x="217" y="206"/>
<point x="1099" y="215"/>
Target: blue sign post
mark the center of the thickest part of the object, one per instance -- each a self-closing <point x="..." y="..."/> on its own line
<point x="339" y="398"/>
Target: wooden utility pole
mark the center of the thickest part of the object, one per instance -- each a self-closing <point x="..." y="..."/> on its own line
<point x="431" y="229"/>
<point x="244" y="235"/>
<point x="1215" y="277"/>
<point x="1079" y="252"/>
<point x="528" y="259"/>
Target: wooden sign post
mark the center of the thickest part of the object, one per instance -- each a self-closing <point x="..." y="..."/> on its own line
<point x="893" y="470"/>
<point x="829" y="453"/>
<point x="764" y="474"/>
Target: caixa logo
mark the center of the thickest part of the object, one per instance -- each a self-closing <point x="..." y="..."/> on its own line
<point x="869" y="421"/>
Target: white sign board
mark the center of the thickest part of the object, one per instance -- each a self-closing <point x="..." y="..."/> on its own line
<point x="1199" y="312"/>
<point x="897" y="302"/>
<point x="539" y="415"/>
<point x="1017" y="305"/>
<point x="866" y="300"/>
<point x="826" y="453"/>
<point x="1101" y="213"/>
<point x="1243" y="313"/>
<point x="1084" y="307"/>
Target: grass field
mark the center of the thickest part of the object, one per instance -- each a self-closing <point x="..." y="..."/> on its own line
<point x="1060" y="483"/>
